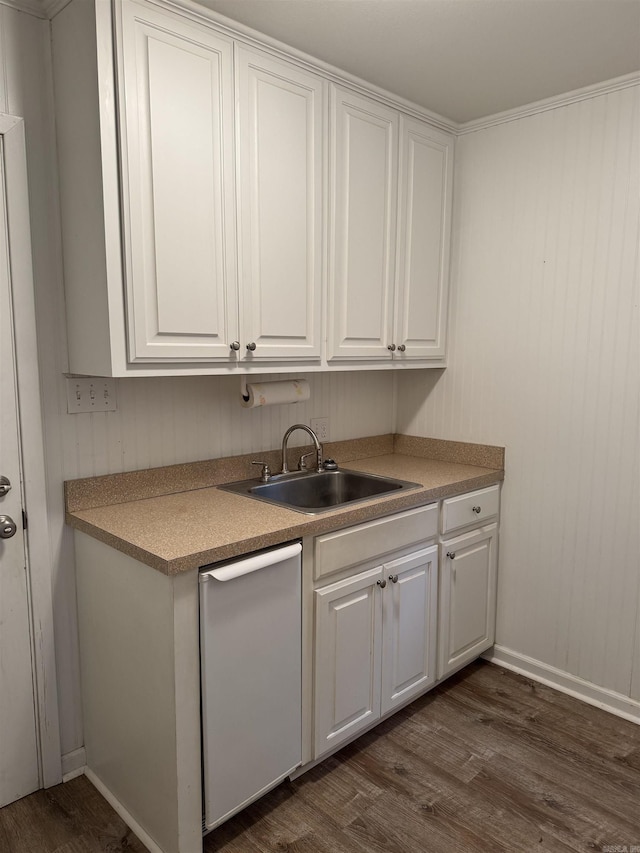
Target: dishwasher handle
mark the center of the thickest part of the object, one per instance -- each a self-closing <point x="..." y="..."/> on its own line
<point x="251" y="564"/>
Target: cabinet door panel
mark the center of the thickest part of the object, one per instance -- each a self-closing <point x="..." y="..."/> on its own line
<point x="364" y="184"/>
<point x="347" y="658"/>
<point x="178" y="187"/>
<point x="426" y="169"/>
<point x="409" y="619"/>
<point x="467" y="598"/>
<point x="280" y="173"/>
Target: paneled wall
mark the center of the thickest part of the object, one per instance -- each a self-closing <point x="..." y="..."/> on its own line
<point x="165" y="421"/>
<point x="544" y="358"/>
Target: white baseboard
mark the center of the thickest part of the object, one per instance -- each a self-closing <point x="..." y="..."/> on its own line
<point x="608" y="700"/>
<point x="73" y="764"/>
<point x="126" y="816"/>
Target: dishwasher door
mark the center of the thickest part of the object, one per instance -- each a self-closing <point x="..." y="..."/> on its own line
<point x="250" y="639"/>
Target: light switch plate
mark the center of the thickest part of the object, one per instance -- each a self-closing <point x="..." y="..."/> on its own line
<point x="90" y="395"/>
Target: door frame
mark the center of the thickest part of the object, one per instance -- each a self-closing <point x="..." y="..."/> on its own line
<point x="38" y="552"/>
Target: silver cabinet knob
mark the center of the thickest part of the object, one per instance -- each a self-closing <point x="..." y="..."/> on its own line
<point x="235" y="345"/>
<point x="391" y="347"/>
<point x="451" y="555"/>
<point x="401" y="347"/>
<point x="7" y="527"/>
<point x="393" y="578"/>
<point x="251" y="347"/>
<point x="382" y="584"/>
<point x="476" y="509"/>
<point x="5" y="486"/>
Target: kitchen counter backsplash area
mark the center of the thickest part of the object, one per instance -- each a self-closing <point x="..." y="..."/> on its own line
<point x="163" y="516"/>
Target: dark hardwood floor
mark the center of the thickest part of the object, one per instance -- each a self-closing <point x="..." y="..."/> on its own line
<point x="489" y="761"/>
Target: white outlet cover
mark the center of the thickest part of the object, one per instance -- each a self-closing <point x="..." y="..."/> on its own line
<point x="321" y="428"/>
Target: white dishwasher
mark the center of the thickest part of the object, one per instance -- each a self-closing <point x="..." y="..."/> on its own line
<point x="250" y="641"/>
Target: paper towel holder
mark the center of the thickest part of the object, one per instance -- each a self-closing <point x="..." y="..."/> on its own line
<point x="272" y="392"/>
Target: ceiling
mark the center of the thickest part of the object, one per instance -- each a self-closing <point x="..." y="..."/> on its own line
<point x="463" y="59"/>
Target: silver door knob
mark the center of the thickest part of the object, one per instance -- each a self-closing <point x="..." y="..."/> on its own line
<point x="393" y="578"/>
<point x="391" y="347"/>
<point x="476" y="509"/>
<point x="382" y="584"/>
<point x="451" y="555"/>
<point x="251" y="347"/>
<point x="401" y="347"/>
<point x="235" y="345"/>
<point x="7" y="527"/>
<point x="5" y="486"/>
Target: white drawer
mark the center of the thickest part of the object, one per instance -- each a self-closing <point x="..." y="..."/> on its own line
<point x="470" y="508"/>
<point x="346" y="548"/>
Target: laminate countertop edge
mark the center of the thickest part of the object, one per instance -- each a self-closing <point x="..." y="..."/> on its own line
<point x="182" y="531"/>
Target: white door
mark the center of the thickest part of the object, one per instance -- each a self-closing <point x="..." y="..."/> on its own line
<point x="176" y="90"/>
<point x="19" y="771"/>
<point x="364" y="162"/>
<point x="280" y="171"/>
<point x="410" y="603"/>
<point x="347" y="658"/>
<point x="467" y="598"/>
<point x="425" y="193"/>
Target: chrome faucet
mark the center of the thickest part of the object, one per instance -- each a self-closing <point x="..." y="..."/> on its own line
<point x="316" y="443"/>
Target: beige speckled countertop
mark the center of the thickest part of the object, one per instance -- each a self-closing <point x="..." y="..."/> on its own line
<point x="197" y="524"/>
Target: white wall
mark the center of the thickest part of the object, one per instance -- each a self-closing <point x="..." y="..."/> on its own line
<point x="159" y="421"/>
<point x="544" y="358"/>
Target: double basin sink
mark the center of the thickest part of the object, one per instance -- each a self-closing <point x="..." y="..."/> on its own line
<point x="319" y="491"/>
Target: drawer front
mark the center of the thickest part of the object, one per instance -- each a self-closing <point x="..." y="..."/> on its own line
<point x="463" y="510"/>
<point x="346" y="548"/>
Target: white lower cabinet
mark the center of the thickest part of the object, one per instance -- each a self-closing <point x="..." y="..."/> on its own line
<point x="375" y="644"/>
<point x="467" y="597"/>
<point x="409" y="614"/>
<point x="348" y="654"/>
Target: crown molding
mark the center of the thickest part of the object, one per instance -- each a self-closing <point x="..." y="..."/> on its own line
<point x="52" y="7"/>
<point x="563" y="100"/>
<point x="44" y="9"/>
<point x="31" y="7"/>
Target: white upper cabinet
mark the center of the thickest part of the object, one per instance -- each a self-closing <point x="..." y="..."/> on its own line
<point x="364" y="166"/>
<point x="391" y="181"/>
<point x="176" y="92"/>
<point x="227" y="207"/>
<point x="424" y="225"/>
<point x="280" y="168"/>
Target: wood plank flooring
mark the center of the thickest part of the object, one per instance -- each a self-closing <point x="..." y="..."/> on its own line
<point x="489" y="761"/>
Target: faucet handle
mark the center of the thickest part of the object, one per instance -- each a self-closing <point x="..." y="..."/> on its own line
<point x="302" y="465"/>
<point x="265" y="474"/>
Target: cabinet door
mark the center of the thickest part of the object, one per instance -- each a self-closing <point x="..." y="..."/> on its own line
<point x="280" y="167"/>
<point x="176" y="99"/>
<point x="410" y="603"/>
<point x="467" y="598"/>
<point x="426" y="170"/>
<point x="363" y="223"/>
<point x="347" y="658"/>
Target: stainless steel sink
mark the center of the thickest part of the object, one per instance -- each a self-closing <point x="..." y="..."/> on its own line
<point x="314" y="491"/>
